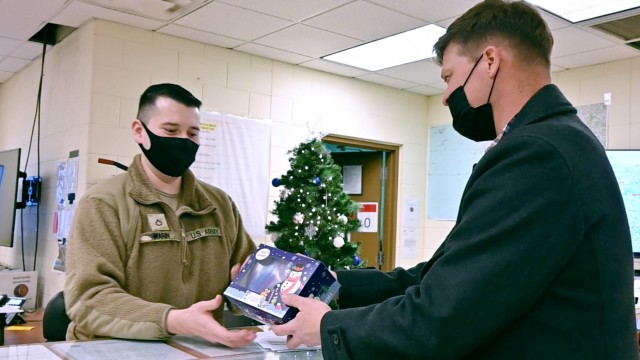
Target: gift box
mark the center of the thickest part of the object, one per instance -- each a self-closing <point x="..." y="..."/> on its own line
<point x="270" y="273"/>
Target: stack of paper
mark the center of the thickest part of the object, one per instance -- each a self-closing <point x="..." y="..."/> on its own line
<point x="270" y="341"/>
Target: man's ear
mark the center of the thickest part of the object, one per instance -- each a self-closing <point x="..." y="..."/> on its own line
<point x="137" y="130"/>
<point x="492" y="56"/>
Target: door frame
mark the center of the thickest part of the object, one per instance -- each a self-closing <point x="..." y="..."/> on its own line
<point x="391" y="193"/>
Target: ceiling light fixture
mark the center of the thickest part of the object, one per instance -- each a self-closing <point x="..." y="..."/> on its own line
<point x="581" y="10"/>
<point x="403" y="48"/>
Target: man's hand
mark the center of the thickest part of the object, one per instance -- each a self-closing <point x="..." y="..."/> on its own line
<point x="198" y="320"/>
<point x="305" y="327"/>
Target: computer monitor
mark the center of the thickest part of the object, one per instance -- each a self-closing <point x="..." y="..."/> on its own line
<point x="9" y="175"/>
<point x="626" y="166"/>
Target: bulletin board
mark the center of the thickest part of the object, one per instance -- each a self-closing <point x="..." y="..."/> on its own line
<point x="234" y="155"/>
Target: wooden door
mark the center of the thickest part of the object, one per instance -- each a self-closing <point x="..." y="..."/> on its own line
<point x="371" y="187"/>
<point x="373" y="156"/>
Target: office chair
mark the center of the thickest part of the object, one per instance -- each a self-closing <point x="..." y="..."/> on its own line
<point x="55" y="320"/>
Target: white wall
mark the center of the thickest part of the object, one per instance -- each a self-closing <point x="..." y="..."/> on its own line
<point x="64" y="125"/>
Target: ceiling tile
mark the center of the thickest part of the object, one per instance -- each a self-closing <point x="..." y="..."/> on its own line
<point x="571" y="40"/>
<point x="4" y="76"/>
<point x="269" y="52"/>
<point x="78" y="13"/>
<point x="22" y="19"/>
<point x="387" y="81"/>
<point x="599" y="56"/>
<point x="556" y="67"/>
<point x="294" y="10"/>
<point x="36" y="9"/>
<point x="12" y="64"/>
<point x="419" y="72"/>
<point x="18" y="27"/>
<point x="374" y="22"/>
<point x="28" y="50"/>
<point x="201" y="36"/>
<point x="277" y="31"/>
<point x="441" y="85"/>
<point x="331" y="67"/>
<point x="296" y="39"/>
<point x="424" y="90"/>
<point x="431" y="11"/>
<point x="553" y="22"/>
<point x="232" y="21"/>
<point x="163" y="10"/>
<point x="7" y="46"/>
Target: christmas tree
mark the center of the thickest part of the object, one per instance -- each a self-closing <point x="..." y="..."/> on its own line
<point x="314" y="214"/>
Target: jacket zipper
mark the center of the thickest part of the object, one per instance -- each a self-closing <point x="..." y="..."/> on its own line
<point x="183" y="245"/>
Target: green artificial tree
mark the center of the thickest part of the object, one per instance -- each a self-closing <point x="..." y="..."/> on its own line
<point x="315" y="216"/>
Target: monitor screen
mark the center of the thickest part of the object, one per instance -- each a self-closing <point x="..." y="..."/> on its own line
<point x="626" y="166"/>
<point x="9" y="165"/>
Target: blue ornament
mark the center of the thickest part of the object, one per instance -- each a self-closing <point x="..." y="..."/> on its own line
<point x="317" y="180"/>
<point x="356" y="260"/>
<point x="276" y="182"/>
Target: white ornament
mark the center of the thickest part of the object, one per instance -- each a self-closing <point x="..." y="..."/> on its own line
<point x="311" y="231"/>
<point x="338" y="242"/>
<point x="298" y="218"/>
<point x="343" y="219"/>
<point x="284" y="193"/>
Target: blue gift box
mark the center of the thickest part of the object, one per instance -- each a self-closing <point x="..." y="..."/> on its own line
<point x="268" y="274"/>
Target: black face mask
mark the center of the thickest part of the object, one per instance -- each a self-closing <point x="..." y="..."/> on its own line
<point x="473" y="123"/>
<point x="170" y="155"/>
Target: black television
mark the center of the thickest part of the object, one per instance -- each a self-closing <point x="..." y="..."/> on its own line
<point x="9" y="176"/>
<point x="626" y="166"/>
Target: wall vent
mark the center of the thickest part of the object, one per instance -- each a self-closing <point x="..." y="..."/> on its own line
<point x="627" y="28"/>
<point x="155" y="9"/>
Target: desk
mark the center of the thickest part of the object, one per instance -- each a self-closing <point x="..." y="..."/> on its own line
<point x="4" y="312"/>
<point x="176" y="348"/>
<point x="34" y="319"/>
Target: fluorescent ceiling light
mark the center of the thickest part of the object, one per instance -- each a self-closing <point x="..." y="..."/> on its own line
<point x="579" y="10"/>
<point x="409" y="46"/>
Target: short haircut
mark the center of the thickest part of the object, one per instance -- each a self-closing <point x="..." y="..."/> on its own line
<point x="172" y="91"/>
<point x="517" y="23"/>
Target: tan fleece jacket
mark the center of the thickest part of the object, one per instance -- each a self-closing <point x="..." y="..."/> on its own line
<point x="131" y="258"/>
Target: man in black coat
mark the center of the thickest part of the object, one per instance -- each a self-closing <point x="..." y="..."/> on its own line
<point x="539" y="263"/>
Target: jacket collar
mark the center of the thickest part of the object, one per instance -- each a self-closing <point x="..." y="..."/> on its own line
<point x="547" y="102"/>
<point x="192" y="195"/>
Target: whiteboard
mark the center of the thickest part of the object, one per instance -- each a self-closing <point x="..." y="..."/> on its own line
<point x="234" y="155"/>
<point x="451" y="159"/>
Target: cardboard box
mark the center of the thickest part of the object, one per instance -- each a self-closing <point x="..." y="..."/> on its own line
<point x="18" y="283"/>
<point x="268" y="274"/>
